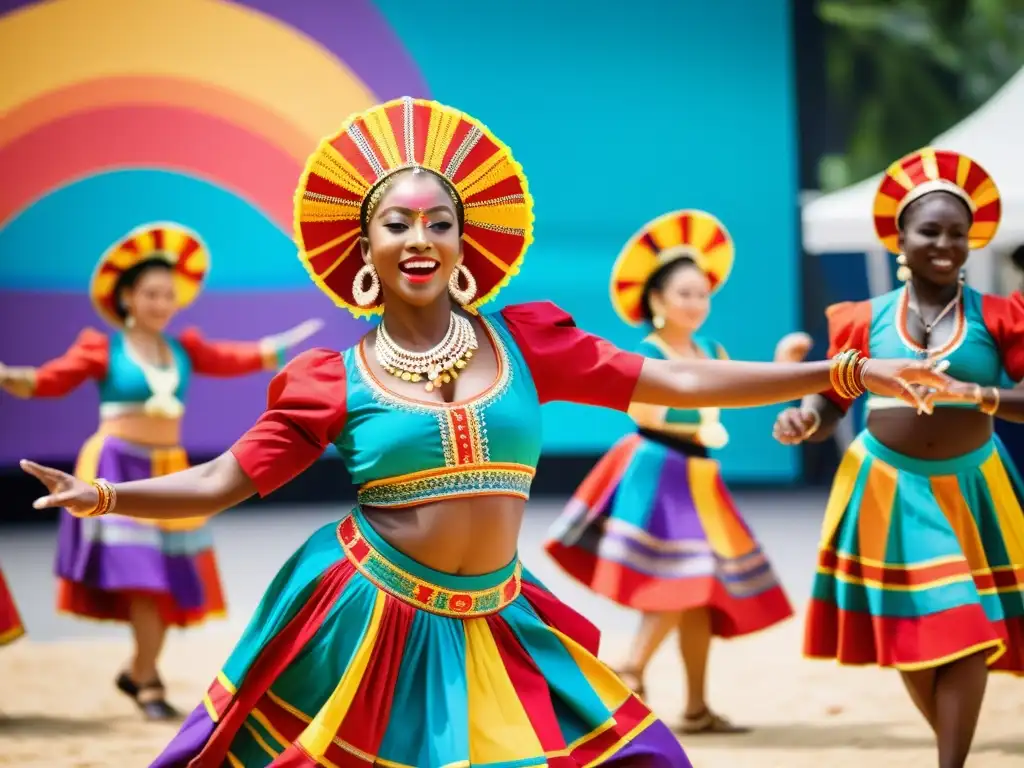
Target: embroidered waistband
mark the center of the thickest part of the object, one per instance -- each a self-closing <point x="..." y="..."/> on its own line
<point x="485" y="479"/>
<point x="358" y="541"/>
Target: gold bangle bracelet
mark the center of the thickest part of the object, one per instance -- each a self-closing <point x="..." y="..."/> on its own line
<point x="105" y="502"/>
<point x="986" y="408"/>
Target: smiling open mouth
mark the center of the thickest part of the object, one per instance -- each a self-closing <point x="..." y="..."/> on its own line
<point x="419" y="270"/>
<point x="942" y="265"/>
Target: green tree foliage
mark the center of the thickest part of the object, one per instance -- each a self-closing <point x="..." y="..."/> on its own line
<point x="902" y="71"/>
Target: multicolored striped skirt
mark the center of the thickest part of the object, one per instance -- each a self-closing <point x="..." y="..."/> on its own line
<point x="359" y="656"/>
<point x="657" y="530"/>
<point x="921" y="562"/>
<point x="103" y="562"/>
<point x="11" y="627"/>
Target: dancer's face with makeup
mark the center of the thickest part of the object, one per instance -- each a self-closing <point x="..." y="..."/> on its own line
<point x="413" y="239"/>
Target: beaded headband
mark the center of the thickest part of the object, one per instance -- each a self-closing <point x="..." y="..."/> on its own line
<point x="348" y="168"/>
<point x="176" y="244"/>
<point x="681" y="234"/>
<point x="936" y="170"/>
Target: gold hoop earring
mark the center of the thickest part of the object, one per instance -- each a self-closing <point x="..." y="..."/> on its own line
<point x="462" y="295"/>
<point x="658" y="322"/>
<point x="902" y="271"/>
<point x="365" y="297"/>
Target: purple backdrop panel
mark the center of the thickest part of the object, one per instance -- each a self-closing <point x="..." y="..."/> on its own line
<point x="35" y="327"/>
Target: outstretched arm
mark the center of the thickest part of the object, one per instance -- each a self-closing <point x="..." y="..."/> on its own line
<point x="571" y="365"/>
<point x="305" y="412"/>
<point x="238" y="358"/>
<point x="85" y="359"/>
<point x="198" y="491"/>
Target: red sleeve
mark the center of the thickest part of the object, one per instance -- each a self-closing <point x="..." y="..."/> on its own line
<point x="569" y="364"/>
<point x="86" y="359"/>
<point x="1004" y="318"/>
<point x="305" y="413"/>
<point x="226" y="358"/>
<point x="849" y="325"/>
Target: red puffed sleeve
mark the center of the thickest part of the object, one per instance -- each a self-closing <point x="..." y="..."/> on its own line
<point x="849" y="327"/>
<point x="86" y="359"/>
<point x="305" y="413"/>
<point x="569" y="364"/>
<point x="226" y="358"/>
<point x="1004" y="318"/>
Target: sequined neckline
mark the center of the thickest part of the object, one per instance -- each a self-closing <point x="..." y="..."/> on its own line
<point x="494" y="390"/>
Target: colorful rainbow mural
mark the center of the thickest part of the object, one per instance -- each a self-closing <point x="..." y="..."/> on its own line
<point x="118" y="112"/>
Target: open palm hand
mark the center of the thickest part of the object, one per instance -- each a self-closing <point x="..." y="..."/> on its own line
<point x="64" y="490"/>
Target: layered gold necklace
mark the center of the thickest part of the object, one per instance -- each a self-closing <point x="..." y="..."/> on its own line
<point x="438" y="365"/>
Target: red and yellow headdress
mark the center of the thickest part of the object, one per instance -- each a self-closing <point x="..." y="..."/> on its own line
<point x="934" y="170"/>
<point x="694" y="234"/>
<point x="410" y="133"/>
<point x="179" y="246"/>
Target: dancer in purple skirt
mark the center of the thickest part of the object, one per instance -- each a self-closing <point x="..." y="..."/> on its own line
<point x="151" y="575"/>
<point x="653" y="526"/>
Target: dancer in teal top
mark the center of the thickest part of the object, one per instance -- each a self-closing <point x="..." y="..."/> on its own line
<point x="653" y="526"/>
<point x="921" y="561"/>
<point x="408" y="633"/>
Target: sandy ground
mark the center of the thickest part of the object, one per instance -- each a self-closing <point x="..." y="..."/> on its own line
<point x="59" y="709"/>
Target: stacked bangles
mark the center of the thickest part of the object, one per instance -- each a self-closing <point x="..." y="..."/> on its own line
<point x="107" y="499"/>
<point x="847" y="374"/>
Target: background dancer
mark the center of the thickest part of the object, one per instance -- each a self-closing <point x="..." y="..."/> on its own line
<point x="920" y="561"/>
<point x="653" y="526"/>
<point x="11" y="627"/>
<point x="149" y="574"/>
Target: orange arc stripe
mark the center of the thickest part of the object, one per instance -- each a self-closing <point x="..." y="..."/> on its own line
<point x="158" y="91"/>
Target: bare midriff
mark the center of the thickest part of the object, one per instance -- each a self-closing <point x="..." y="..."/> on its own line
<point x="468" y="537"/>
<point x="142" y="429"/>
<point x="945" y="434"/>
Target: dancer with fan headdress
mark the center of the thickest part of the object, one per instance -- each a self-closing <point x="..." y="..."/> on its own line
<point x="408" y="633"/>
<point x="149" y="574"/>
<point x="921" y="562"/>
<point x="11" y="627"/>
<point x="653" y="526"/>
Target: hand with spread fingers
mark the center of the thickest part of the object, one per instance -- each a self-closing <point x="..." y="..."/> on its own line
<point x="79" y="498"/>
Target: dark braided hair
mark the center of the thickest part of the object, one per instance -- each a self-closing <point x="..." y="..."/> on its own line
<point x="657" y="281"/>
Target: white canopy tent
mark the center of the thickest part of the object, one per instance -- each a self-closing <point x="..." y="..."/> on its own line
<point x="840" y="222"/>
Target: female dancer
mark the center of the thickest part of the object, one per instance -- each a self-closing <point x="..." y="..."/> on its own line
<point x="653" y="526"/>
<point x="150" y="574"/>
<point x="11" y="627"/>
<point x="408" y="633"/>
<point x="920" y="564"/>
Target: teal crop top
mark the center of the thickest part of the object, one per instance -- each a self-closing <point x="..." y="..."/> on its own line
<point x="404" y="452"/>
<point x="985" y="346"/>
<point x="131" y="383"/>
<point x="698" y="425"/>
<point x="495" y="438"/>
<point x="127" y="384"/>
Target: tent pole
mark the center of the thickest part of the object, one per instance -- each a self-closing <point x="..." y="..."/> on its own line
<point x="879" y="269"/>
